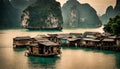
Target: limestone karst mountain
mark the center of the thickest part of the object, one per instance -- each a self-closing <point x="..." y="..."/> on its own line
<point x="117" y="7"/>
<point x="76" y="15"/>
<point x="111" y="12"/>
<point x="43" y="14"/>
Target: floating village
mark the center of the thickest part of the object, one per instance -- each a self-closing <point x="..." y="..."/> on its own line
<point x="50" y="44"/>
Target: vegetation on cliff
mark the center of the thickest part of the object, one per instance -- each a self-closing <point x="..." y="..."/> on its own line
<point x="113" y="26"/>
<point x="43" y="14"/>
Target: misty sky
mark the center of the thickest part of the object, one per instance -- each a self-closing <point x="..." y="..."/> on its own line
<point x="99" y="5"/>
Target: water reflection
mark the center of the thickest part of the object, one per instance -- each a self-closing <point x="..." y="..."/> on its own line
<point x="10" y="59"/>
<point x="89" y="50"/>
<point x="34" y="62"/>
<point x="88" y="59"/>
<point x="19" y="49"/>
<point x="72" y="58"/>
<point x="117" y="65"/>
<point x="43" y="63"/>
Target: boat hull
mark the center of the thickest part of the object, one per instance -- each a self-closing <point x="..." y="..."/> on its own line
<point x="41" y="55"/>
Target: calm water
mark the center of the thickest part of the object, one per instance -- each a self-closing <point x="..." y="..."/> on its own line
<point x="71" y="58"/>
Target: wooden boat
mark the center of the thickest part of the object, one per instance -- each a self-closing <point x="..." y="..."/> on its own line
<point x="43" y="48"/>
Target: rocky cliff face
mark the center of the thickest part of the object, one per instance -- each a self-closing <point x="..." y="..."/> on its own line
<point x="117" y="7"/>
<point x="76" y="15"/>
<point x="43" y="14"/>
<point x="111" y="12"/>
<point x="9" y="16"/>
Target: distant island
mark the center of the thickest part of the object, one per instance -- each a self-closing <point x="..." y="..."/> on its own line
<point x="43" y="15"/>
<point x="76" y="15"/>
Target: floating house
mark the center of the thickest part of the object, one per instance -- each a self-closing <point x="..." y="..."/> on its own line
<point x="77" y="35"/>
<point x="91" y="34"/>
<point x="22" y="41"/>
<point x="73" y="41"/>
<point x="90" y="39"/>
<point x="89" y="42"/>
<point x="42" y="36"/>
<point x="108" y="42"/>
<point x="52" y="37"/>
<point x="43" y="47"/>
<point x="57" y="38"/>
<point x="50" y="44"/>
<point x="68" y="39"/>
<point x="118" y="41"/>
<point x="62" y="39"/>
